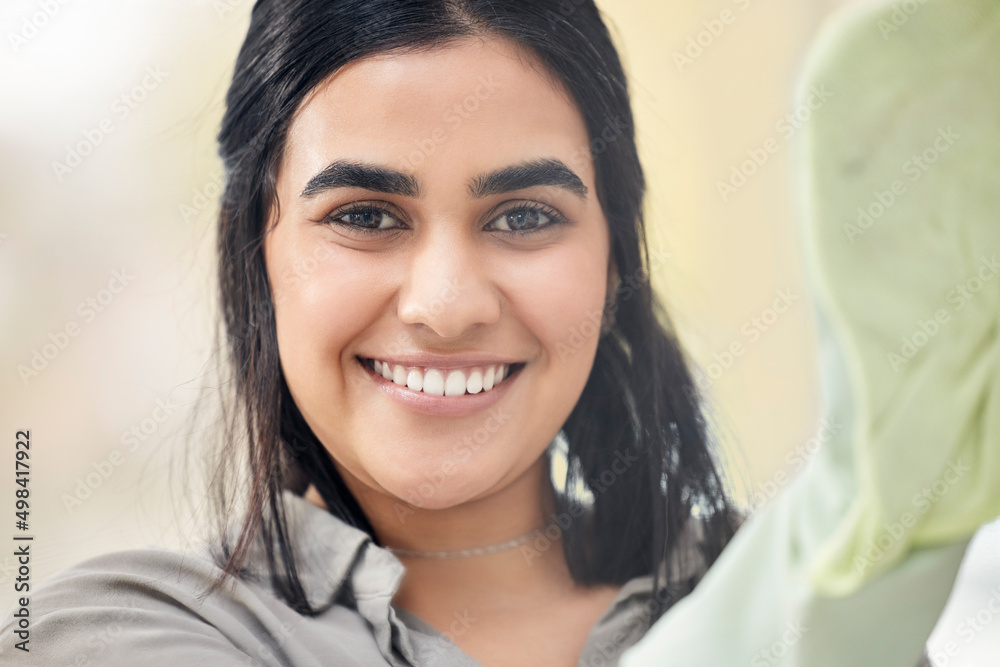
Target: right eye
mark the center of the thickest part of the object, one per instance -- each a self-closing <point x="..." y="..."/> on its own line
<point x="364" y="218"/>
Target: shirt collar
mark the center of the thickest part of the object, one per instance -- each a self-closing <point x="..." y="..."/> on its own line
<point x="334" y="559"/>
<point x="328" y="553"/>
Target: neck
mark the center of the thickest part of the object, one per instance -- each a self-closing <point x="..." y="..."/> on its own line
<point x="528" y="571"/>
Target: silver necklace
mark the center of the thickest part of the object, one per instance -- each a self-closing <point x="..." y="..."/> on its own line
<point x="462" y="553"/>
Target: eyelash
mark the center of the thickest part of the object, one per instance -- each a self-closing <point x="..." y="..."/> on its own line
<point x="555" y="218"/>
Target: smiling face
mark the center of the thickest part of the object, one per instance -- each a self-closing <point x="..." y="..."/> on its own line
<point x="438" y="226"/>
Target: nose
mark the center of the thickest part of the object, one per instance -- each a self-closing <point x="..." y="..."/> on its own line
<point x="447" y="287"/>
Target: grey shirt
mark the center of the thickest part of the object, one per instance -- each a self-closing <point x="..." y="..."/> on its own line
<point x="144" y="607"/>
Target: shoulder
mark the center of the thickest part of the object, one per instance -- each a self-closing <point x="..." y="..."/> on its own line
<point x="145" y="606"/>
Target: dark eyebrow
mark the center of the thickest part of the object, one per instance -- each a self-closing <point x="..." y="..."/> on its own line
<point x="526" y="175"/>
<point x="344" y="174"/>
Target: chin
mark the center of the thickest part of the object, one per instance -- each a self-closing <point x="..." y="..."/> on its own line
<point x="433" y="489"/>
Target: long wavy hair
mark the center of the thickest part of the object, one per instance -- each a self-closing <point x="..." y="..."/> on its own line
<point x="639" y="397"/>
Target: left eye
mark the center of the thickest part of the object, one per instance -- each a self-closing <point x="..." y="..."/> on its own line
<point x="525" y="219"/>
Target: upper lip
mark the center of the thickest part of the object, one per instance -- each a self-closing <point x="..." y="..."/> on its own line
<point x="443" y="361"/>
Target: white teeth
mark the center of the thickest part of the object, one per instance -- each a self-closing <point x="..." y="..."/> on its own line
<point x="437" y="382"/>
<point x="475" y="384"/>
<point x="415" y="380"/>
<point x="455" y="384"/>
<point x="433" y="382"/>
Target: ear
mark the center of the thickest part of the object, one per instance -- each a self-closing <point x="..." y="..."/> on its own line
<point x="613" y="280"/>
<point x="611" y="297"/>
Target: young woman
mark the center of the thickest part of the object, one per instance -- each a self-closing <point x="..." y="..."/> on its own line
<point x="438" y="204"/>
<point x="434" y="283"/>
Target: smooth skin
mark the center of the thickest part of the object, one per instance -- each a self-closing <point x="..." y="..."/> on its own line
<point x="445" y="274"/>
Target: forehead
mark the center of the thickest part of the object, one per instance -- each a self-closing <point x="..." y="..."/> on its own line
<point x="460" y="108"/>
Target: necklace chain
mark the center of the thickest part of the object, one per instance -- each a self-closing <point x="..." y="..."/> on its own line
<point x="480" y="551"/>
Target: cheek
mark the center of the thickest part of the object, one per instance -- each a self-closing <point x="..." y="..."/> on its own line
<point x="321" y="300"/>
<point x="560" y="299"/>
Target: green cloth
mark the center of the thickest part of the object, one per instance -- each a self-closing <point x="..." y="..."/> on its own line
<point x="899" y="186"/>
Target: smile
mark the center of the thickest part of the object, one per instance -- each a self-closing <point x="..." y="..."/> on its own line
<point x="452" y="397"/>
<point x="452" y="382"/>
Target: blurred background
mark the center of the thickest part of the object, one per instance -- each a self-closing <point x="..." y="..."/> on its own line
<point x="109" y="184"/>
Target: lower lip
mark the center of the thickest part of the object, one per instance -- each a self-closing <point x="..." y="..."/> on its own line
<point x="441" y="406"/>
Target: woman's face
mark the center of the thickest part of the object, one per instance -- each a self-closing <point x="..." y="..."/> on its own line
<point x="402" y="185"/>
